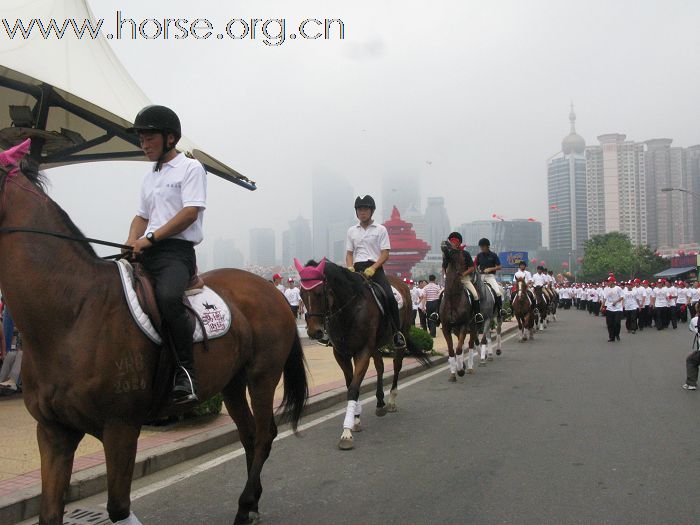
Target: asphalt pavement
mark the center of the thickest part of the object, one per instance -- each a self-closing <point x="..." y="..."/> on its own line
<point x="568" y="429"/>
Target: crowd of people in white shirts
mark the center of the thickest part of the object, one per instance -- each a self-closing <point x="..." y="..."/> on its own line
<point x="641" y="303"/>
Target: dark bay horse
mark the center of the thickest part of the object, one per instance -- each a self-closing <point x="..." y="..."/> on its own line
<point x="456" y="311"/>
<point x="523" y="310"/>
<point x="340" y="305"/>
<point x="88" y="368"/>
<point x="541" y="309"/>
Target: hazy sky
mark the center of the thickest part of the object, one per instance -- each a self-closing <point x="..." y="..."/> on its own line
<point x="480" y="89"/>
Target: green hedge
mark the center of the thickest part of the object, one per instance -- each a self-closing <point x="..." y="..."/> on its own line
<point x="210" y="406"/>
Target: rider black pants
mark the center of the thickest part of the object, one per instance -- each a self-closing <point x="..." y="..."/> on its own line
<point x="171" y="264"/>
<point x="381" y="279"/>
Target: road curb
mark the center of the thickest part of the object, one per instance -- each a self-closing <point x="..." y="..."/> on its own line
<point x="25" y="503"/>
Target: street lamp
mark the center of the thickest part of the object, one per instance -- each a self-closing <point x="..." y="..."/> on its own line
<point x="665" y="190"/>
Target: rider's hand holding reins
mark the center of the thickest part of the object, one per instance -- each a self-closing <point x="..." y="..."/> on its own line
<point x="139" y="245"/>
<point x="369" y="272"/>
<point x="351" y="268"/>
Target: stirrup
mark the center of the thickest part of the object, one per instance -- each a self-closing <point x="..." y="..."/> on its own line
<point x="189" y="398"/>
<point x="398" y="341"/>
<point x="478" y="318"/>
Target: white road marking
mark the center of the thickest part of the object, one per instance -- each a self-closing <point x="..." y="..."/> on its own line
<point x="155" y="487"/>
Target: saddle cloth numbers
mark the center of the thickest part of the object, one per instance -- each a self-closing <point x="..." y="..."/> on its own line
<point x="210" y="307"/>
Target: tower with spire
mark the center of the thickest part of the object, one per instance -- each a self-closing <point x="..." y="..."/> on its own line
<point x="566" y="190"/>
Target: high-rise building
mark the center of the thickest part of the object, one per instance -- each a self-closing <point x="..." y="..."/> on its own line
<point x="670" y="217"/>
<point x="262" y="247"/>
<point x="692" y="167"/>
<point x="510" y="235"/>
<point x="566" y="191"/>
<point x="402" y="191"/>
<point x="333" y="214"/>
<point x="296" y="242"/>
<point x="617" y="188"/>
<point x="417" y="219"/>
<point x="437" y="223"/>
<point x="226" y="255"/>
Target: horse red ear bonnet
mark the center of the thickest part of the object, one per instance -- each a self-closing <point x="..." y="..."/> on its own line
<point x="10" y="158"/>
<point x="311" y="276"/>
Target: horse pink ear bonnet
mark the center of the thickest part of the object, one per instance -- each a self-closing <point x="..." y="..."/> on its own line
<point x="311" y="276"/>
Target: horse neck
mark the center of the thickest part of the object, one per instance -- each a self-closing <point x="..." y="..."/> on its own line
<point x="41" y="276"/>
<point x="453" y="277"/>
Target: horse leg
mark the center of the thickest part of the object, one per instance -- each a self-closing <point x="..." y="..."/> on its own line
<point x="239" y="410"/>
<point x="470" y="356"/>
<point x="498" y="337"/>
<point x="262" y="391"/>
<point x="120" y="442"/>
<point x="57" y="446"/>
<point x="361" y="365"/>
<point x="482" y="349"/>
<point x="381" y="406"/>
<point x="451" y="360"/>
<point x="459" y="358"/>
<point x="398" y="364"/>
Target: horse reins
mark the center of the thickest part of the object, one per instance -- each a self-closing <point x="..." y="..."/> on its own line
<point x="71" y="238"/>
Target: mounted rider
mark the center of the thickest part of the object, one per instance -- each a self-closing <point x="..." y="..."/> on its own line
<point x="523" y="275"/>
<point x="539" y="280"/>
<point x="165" y="230"/>
<point x="455" y="239"/>
<point x="488" y="264"/>
<point x="367" y="249"/>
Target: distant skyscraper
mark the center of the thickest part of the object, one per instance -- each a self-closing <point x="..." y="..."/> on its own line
<point x="670" y="217"/>
<point x="262" y="247"/>
<point x="402" y="191"/>
<point x="296" y="242"/>
<point x="437" y="223"/>
<point x="617" y="188"/>
<point x="417" y="219"/>
<point x="226" y="255"/>
<point x="511" y="235"/>
<point x="692" y="168"/>
<point x="566" y="189"/>
<point x="333" y="214"/>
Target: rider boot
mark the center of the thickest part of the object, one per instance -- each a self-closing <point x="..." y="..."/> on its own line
<point x="499" y="306"/>
<point x="184" y="388"/>
<point x="476" y="308"/>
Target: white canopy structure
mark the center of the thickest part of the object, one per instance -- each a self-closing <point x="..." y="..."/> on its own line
<point x="72" y="96"/>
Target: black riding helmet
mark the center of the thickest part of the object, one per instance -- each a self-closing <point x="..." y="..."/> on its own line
<point x="522" y="263"/>
<point x="456" y="235"/>
<point x="158" y="118"/>
<point x="484" y="242"/>
<point x="365" y="202"/>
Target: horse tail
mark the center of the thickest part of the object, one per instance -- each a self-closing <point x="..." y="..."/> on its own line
<point x="296" y="386"/>
<point x="413" y="351"/>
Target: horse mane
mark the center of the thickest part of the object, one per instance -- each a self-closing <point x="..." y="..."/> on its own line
<point x="345" y="284"/>
<point x="30" y="169"/>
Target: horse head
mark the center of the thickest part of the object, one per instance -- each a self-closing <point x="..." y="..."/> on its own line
<point x="315" y="295"/>
<point x="9" y="159"/>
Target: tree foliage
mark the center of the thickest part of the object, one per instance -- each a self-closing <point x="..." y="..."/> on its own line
<point x="614" y="252"/>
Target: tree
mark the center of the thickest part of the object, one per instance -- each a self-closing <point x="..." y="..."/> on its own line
<point x="614" y="252"/>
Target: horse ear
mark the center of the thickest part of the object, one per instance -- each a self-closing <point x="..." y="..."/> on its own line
<point x="13" y="155"/>
<point x="322" y="265"/>
<point x="298" y="265"/>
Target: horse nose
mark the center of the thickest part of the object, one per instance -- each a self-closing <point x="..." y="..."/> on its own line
<point x="315" y="334"/>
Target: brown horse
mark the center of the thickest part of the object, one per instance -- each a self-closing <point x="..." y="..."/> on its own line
<point x="456" y="311"/>
<point x="88" y="369"/>
<point x="340" y="305"/>
<point x="541" y="308"/>
<point x="523" y="310"/>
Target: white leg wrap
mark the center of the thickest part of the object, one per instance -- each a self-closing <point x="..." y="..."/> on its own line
<point x="358" y="409"/>
<point x="460" y="362"/>
<point x="453" y="366"/>
<point x="489" y="347"/>
<point x="392" y="397"/>
<point x="470" y="358"/>
<point x="483" y="351"/>
<point x="130" y="520"/>
<point x="350" y="415"/>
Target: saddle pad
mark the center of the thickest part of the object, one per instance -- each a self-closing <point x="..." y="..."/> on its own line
<point x="210" y="307"/>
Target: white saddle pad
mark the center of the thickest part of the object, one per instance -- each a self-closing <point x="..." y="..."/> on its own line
<point x="211" y="308"/>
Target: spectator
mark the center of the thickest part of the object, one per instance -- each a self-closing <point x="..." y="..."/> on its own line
<point x="293" y="297"/>
<point x="432" y="302"/>
<point x="422" y="307"/>
<point x="416" y="298"/>
<point x="11" y="366"/>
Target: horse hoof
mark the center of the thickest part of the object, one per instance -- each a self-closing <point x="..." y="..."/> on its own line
<point x="460" y="373"/>
<point x="345" y="444"/>
<point x="490" y="358"/>
<point x="482" y="363"/>
<point x="381" y="411"/>
<point x="392" y="408"/>
<point x="252" y="518"/>
<point x="357" y="427"/>
<point x="499" y="352"/>
<point x="452" y="379"/>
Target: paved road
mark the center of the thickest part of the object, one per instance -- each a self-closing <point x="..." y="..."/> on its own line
<point x="569" y="429"/>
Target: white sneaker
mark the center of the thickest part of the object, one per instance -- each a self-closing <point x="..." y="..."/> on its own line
<point x="690" y="387"/>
